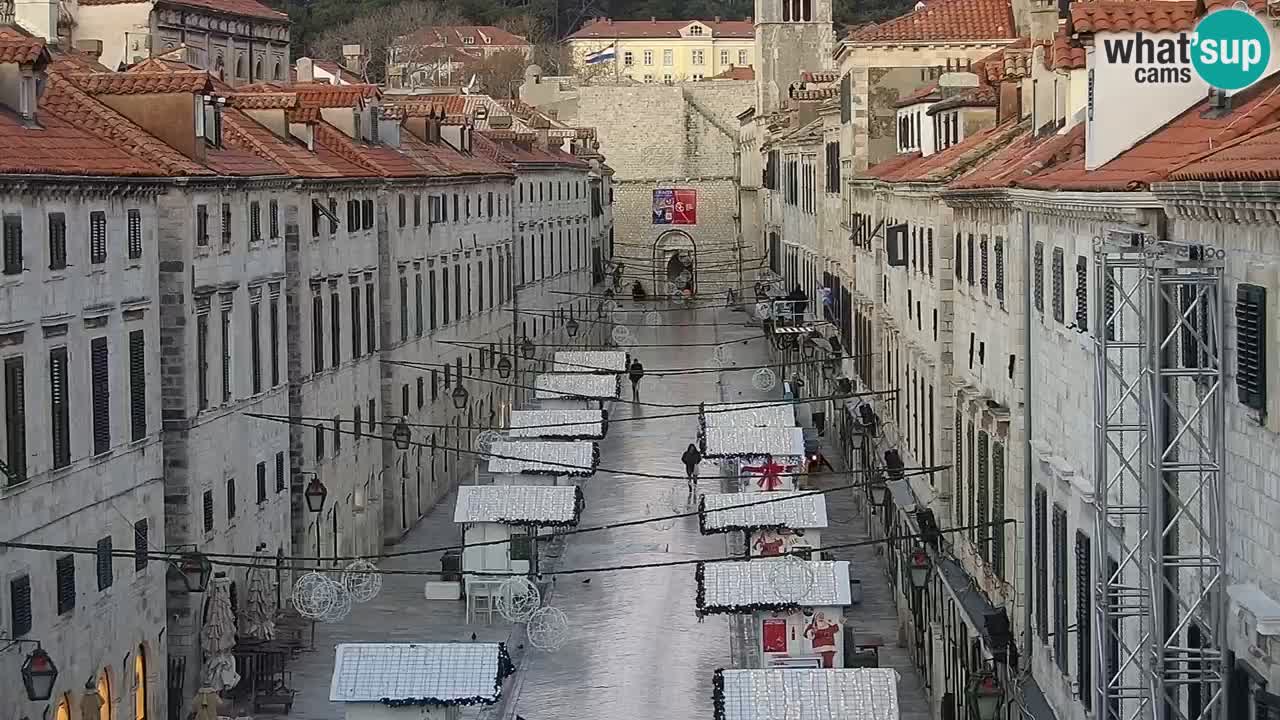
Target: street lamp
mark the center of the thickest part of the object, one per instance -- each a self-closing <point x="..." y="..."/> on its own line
<point x="828" y="370"/>
<point x="893" y="463"/>
<point x="315" y="494"/>
<point x="504" y="367"/>
<point x="39" y="674"/>
<point x="986" y="696"/>
<point x="191" y="571"/>
<point x="527" y="348"/>
<point x="460" y="396"/>
<point x="920" y="565"/>
<point x="844" y="386"/>
<point x="401" y="435"/>
<point x="878" y="492"/>
<point x="571" y="327"/>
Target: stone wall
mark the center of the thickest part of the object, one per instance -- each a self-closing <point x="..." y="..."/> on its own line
<point x="671" y="136"/>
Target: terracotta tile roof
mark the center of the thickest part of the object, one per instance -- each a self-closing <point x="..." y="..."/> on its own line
<point x="244" y="8"/>
<point x="928" y="93"/>
<point x="287" y="152"/>
<point x="72" y="62"/>
<point x="1008" y="63"/>
<point x="981" y="96"/>
<point x="60" y="147"/>
<point x="1162" y="152"/>
<point x="519" y="152"/>
<point x="263" y="101"/>
<point x="606" y="29"/>
<point x="441" y="159"/>
<point x="19" y="48"/>
<point x="324" y="95"/>
<point x="947" y="164"/>
<point x="456" y="35"/>
<point x="419" y="109"/>
<point x="815" y="93"/>
<point x="1063" y="54"/>
<point x="1025" y="156"/>
<point x="139" y="83"/>
<point x="821" y="76"/>
<point x="737" y="72"/>
<point x="302" y="115"/>
<point x="1255" y="156"/>
<point x="239" y="156"/>
<point x="944" y="21"/>
<point x="66" y="99"/>
<point x="377" y="159"/>
<point x="1133" y="15"/>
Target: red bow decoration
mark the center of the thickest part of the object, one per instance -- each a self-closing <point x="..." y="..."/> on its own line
<point x="769" y="474"/>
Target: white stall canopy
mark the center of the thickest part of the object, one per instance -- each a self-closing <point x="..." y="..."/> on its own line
<point x="571" y="386"/>
<point x="590" y="361"/>
<point x="556" y="423"/>
<point x="780" y="442"/>
<point x="750" y="415"/>
<point x="740" y="586"/>
<point x="518" y="504"/>
<point x="786" y="509"/>
<point x="543" y="457"/>
<point x="452" y="673"/>
<point x="853" y="694"/>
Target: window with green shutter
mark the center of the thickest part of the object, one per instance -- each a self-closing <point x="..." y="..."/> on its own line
<point x="20" y="605"/>
<point x="15" y="419"/>
<point x="65" y="574"/>
<point x="997" y="509"/>
<point x="100" y="388"/>
<point x="1251" y="346"/>
<point x="137" y="385"/>
<point x="984" y="479"/>
<point x="1084" y="619"/>
<point x="106" y="571"/>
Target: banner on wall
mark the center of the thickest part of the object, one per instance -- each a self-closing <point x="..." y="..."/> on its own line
<point x="675" y="206"/>
<point x="774" y="635"/>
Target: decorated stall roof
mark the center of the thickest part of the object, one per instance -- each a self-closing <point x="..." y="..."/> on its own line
<point x="747" y="511"/>
<point x="587" y="424"/>
<point x="802" y="694"/>
<point x="749" y="415"/>
<point x="564" y="386"/>
<point x="748" y="585"/>
<point x="781" y="442"/>
<point x="402" y="674"/>
<point x="591" y="361"/>
<point x="537" y="505"/>
<point x="544" y="457"/>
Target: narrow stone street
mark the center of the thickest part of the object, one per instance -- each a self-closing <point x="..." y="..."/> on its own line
<point x="637" y="649"/>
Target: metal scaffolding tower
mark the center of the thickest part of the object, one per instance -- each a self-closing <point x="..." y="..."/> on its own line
<point x="1159" y="541"/>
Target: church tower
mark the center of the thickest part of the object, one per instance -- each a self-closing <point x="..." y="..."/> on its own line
<point x="792" y="36"/>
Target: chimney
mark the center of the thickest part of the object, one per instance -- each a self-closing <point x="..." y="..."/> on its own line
<point x="717" y="18"/>
<point x="1009" y="102"/>
<point x="653" y="19"/>
<point x="306" y="70"/>
<point x="352" y="58"/>
<point x="90" y="47"/>
<point x="1043" y="22"/>
<point x="38" y="17"/>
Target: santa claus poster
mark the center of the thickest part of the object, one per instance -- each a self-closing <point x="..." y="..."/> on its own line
<point x="806" y="633"/>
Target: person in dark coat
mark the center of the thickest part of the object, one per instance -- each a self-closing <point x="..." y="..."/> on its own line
<point x="637" y="291"/>
<point x="691" y="458"/>
<point x="636" y="373"/>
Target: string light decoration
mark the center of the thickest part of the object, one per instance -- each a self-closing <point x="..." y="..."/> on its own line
<point x="486" y="439"/>
<point x="547" y="629"/>
<point x="652" y="318"/>
<point x="790" y="578"/>
<point x="608" y="307"/>
<point x="362" y="581"/>
<point x="764" y="380"/>
<point x="762" y="311"/>
<point x="672" y="288"/>
<point x="677" y="297"/>
<point x="722" y="356"/>
<point x="518" y="599"/>
<point x="342" y="603"/>
<point x="627" y="342"/>
<point x="620" y="334"/>
<point x="314" y="595"/>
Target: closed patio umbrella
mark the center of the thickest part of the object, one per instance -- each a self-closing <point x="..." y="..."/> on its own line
<point x="218" y="637"/>
<point x="260" y="610"/>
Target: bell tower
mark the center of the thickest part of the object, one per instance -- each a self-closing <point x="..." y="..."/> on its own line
<point x="792" y="36"/>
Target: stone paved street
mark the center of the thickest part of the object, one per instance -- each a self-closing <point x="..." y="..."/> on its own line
<point x="637" y="651"/>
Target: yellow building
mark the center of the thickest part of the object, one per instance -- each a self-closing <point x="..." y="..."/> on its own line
<point x="663" y="50"/>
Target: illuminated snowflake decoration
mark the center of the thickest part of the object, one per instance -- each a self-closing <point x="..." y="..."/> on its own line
<point x="628" y="341"/>
<point x="548" y="629"/>
<point x="672" y="288"/>
<point x="684" y="278"/>
<point x="314" y="595"/>
<point x="652" y="318"/>
<point x="764" y="379"/>
<point x="722" y="356"/>
<point x="518" y="599"/>
<point x="679" y="498"/>
<point x="659" y="525"/>
<point x="621" y="333"/>
<point x="362" y="580"/>
<point x="486" y="439"/>
<point x="763" y="311"/>
<point x="608" y="307"/>
<point x="790" y="579"/>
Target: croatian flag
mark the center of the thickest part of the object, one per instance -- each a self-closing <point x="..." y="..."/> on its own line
<point x="603" y="55"/>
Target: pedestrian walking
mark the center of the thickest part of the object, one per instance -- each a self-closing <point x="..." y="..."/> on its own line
<point x="818" y="411"/>
<point x="691" y="457"/>
<point x="636" y="373"/>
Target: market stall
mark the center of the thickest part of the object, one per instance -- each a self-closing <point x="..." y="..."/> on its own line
<point x="499" y="521"/>
<point x="513" y="462"/>
<point x="590" y="361"/>
<point x="417" y="681"/>
<point x="861" y="694"/>
<point x="788" y="525"/>
<point x="559" y="424"/>
<point x="576" y="391"/>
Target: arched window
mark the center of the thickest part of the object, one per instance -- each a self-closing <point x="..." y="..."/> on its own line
<point x="795" y="10"/>
<point x="240" y="66"/>
<point x="64" y="709"/>
<point x="275" y="72"/>
<point x="786" y="10"/>
<point x="807" y="6"/>
<point x="140" y="684"/>
<point x="104" y="693"/>
<point x="257" y="67"/>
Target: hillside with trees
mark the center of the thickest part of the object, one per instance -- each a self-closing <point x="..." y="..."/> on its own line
<point x="321" y="27"/>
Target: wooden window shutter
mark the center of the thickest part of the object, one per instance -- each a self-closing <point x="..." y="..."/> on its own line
<point x="135" y="234"/>
<point x="15" y="418"/>
<point x="140" y="540"/>
<point x="137" y="385"/>
<point x="1084" y="616"/>
<point x="1251" y="346"/>
<point x="66" y="579"/>
<point x="100" y="374"/>
<point x="106" y="574"/>
<point x="20" y="606"/>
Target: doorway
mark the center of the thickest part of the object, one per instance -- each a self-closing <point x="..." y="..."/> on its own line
<point x="675" y="264"/>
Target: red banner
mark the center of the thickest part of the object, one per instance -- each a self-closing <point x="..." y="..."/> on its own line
<point x="774" y="635"/>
